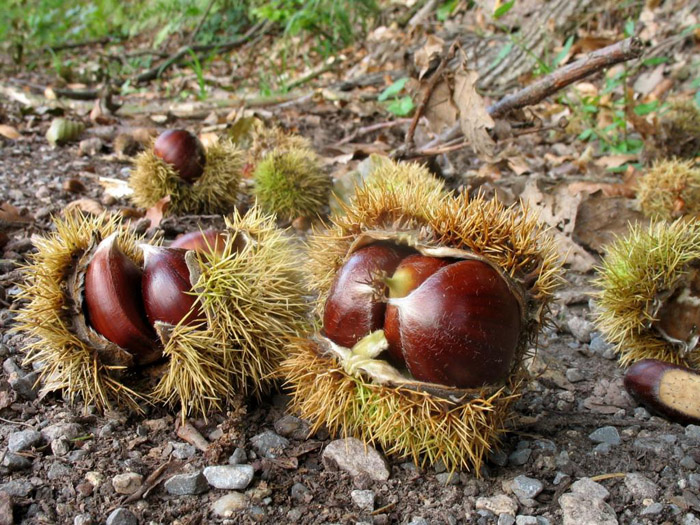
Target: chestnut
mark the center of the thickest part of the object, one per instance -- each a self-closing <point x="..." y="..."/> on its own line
<point x="166" y="287"/>
<point x="410" y="274"/>
<point x="354" y="307"/>
<point x="212" y="241"/>
<point x="183" y="151"/>
<point x="670" y="390"/>
<point x="114" y="303"/>
<point x="460" y="327"/>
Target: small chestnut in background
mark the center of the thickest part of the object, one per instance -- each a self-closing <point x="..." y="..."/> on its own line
<point x="183" y="151"/>
<point x="670" y="390"/>
<point x="166" y="287"/>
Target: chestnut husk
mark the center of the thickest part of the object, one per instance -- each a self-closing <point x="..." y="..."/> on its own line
<point x="355" y="391"/>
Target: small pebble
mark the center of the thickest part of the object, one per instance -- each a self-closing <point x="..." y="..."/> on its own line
<point x="230" y="504"/>
<point x="122" y="516"/>
<point x="127" y="483"/>
<point x="364" y="499"/>
<point x="232" y="477"/>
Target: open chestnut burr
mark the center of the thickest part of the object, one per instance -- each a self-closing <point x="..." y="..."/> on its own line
<point x="194" y="328"/>
<point x="431" y="366"/>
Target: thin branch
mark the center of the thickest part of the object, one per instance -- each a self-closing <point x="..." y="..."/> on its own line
<point x="197" y="29"/>
<point x="369" y="129"/>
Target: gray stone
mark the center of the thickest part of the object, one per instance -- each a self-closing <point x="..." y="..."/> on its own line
<point x="418" y="520"/>
<point x="520" y="457"/>
<point x="694" y="480"/>
<point x="238" y="457"/>
<point x="11" y="367"/>
<point x="498" y="457"/>
<point x="690" y="519"/>
<point x="608" y="435"/>
<point x="447" y="478"/>
<point x="660" y="445"/>
<point x="574" y="375"/>
<point x="641" y="413"/>
<point x="127" y="483"/>
<point x="268" y="444"/>
<point x="233" y="477"/>
<point x="122" y="516"/>
<point x="585" y="504"/>
<point x="364" y="499"/>
<point x="688" y="463"/>
<point x="24" y="385"/>
<point x="59" y="430"/>
<point x="559" y="477"/>
<point x="525" y="520"/>
<point x="6" y="509"/>
<point x="498" y="505"/>
<point x="641" y="487"/>
<point x="61" y="446"/>
<point x="82" y="519"/>
<point x="526" y="488"/>
<point x="693" y="431"/>
<point x="580" y="328"/>
<point x="17" y="488"/>
<point x="545" y="445"/>
<point x="230" y="504"/>
<point x="58" y="470"/>
<point x="183" y="450"/>
<point x="653" y="509"/>
<point x="589" y="488"/>
<point x="187" y="484"/>
<point x="23" y="440"/>
<point x="292" y="427"/>
<point x="506" y="519"/>
<point x="16" y="462"/>
<point x="602" y="449"/>
<point x="598" y="344"/>
<point x="356" y="458"/>
<point x="299" y="492"/>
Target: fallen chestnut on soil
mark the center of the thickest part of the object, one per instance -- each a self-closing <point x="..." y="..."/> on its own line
<point x="183" y="151"/>
<point x="167" y="291"/>
<point x="670" y="390"/>
<point x="114" y="302"/>
<point x="459" y="328"/>
<point x="355" y="305"/>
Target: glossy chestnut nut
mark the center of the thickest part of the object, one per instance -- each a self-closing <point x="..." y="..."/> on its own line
<point x="166" y="287"/>
<point x="114" y="303"/>
<point x="183" y="151"/>
<point x="409" y="275"/>
<point x="460" y="327"/>
<point x="354" y="307"/>
<point x="670" y="390"/>
<point x="203" y="241"/>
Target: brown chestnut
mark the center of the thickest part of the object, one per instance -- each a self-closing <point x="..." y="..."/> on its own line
<point x="183" y="151"/>
<point x="460" y="327"/>
<point x="203" y="241"/>
<point x="670" y="390"/>
<point x="354" y="307"/>
<point x="166" y="287"/>
<point x="409" y="275"/>
<point x="114" y="304"/>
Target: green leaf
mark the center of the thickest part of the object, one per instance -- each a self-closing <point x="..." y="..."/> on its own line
<point x="393" y="90"/>
<point x="445" y="10"/>
<point x="629" y="28"/>
<point x="565" y="51"/>
<point x="697" y="97"/>
<point x="586" y="134"/>
<point x="503" y="9"/>
<point x="401" y="107"/>
<point x="645" y="109"/>
<point x="654" y="61"/>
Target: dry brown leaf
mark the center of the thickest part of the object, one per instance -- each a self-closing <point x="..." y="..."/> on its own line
<point x="5" y="399"/>
<point x="590" y="43"/>
<point x="85" y="205"/>
<point x="428" y="56"/>
<point x="440" y="111"/>
<point x="11" y="214"/>
<point x="155" y="213"/>
<point x="614" y="161"/>
<point x="9" y="132"/>
<point x="519" y="165"/>
<point x="608" y="189"/>
<point x="474" y="120"/>
<point x="73" y="185"/>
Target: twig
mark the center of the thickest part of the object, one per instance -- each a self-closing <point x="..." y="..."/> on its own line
<point x="427" y="93"/>
<point x="76" y="45"/>
<point x="190" y="434"/>
<point x="16" y="422"/>
<point x="151" y="482"/>
<point x="156" y="71"/>
<point x="564" y="76"/>
<point x="328" y="65"/>
<point x="369" y="129"/>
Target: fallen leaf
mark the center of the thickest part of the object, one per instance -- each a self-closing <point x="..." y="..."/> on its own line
<point x="427" y="57"/>
<point x="115" y="187"/>
<point x="590" y="43"/>
<point x="155" y="213"/>
<point x="73" y="185"/>
<point x="440" y="110"/>
<point x="614" y="161"/>
<point x="11" y="214"/>
<point x="474" y="120"/>
<point x="9" y="132"/>
<point x="85" y="205"/>
<point x="648" y="80"/>
<point x="519" y="165"/>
